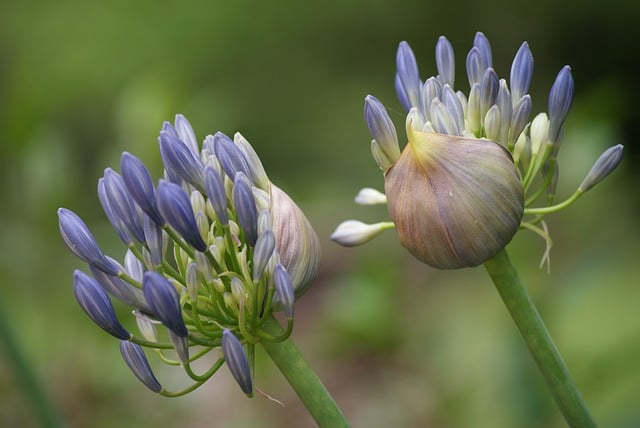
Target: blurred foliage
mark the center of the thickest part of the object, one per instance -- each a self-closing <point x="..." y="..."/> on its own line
<point x="399" y="344"/>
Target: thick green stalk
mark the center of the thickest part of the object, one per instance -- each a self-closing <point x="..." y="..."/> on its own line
<point x="541" y="346"/>
<point x="303" y="379"/>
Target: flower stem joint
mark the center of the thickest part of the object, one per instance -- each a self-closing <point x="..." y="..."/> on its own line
<point x="474" y="164"/>
<point x="212" y="251"/>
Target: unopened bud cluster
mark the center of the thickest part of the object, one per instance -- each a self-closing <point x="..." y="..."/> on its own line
<point x="474" y="164"/>
<point x="213" y="248"/>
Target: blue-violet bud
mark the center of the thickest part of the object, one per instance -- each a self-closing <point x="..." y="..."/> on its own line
<point x="236" y="358"/>
<point x="164" y="301"/>
<point x="175" y="207"/>
<point x="96" y="304"/>
<point x="81" y="242"/>
<point x="134" y="356"/>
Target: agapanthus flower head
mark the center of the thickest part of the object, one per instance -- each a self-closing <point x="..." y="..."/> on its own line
<point x="213" y="249"/>
<point x="474" y="164"/>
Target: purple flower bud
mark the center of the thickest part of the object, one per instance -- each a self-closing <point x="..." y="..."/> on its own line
<point x="454" y="106"/>
<point x="155" y="239"/>
<point x="134" y="356"/>
<point x="606" y="163"/>
<point x="214" y="187"/>
<point x="284" y="290"/>
<point x="407" y="78"/>
<point x="164" y="301"/>
<point x="175" y="207"/>
<point x="519" y="117"/>
<point x="431" y="90"/>
<point x="481" y="42"/>
<point x="488" y="90"/>
<point x="169" y="129"/>
<point x="560" y="99"/>
<point x="503" y="101"/>
<point x="475" y="66"/>
<point x="521" y="73"/>
<point x="445" y="61"/>
<point x="265" y="245"/>
<point x="122" y="204"/>
<point x="140" y="186"/>
<point x="245" y="206"/>
<point x="186" y="134"/>
<point x="236" y="358"/>
<point x="81" y="242"/>
<point x="230" y="156"/>
<point x="120" y="289"/>
<point x="381" y="127"/>
<point x="116" y="222"/>
<point x="179" y="159"/>
<point x="96" y="304"/>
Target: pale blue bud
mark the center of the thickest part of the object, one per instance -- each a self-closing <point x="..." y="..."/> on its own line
<point x="454" y="106"/>
<point x="560" y="99"/>
<point x="186" y="134"/>
<point x="407" y="78"/>
<point x="503" y="101"/>
<point x="521" y="73"/>
<point x="445" y="61"/>
<point x="488" y="90"/>
<point x="230" y="156"/>
<point x="265" y="245"/>
<point x="260" y="178"/>
<point x="236" y="358"/>
<point x="155" y="238"/>
<point x="519" y="118"/>
<point x="606" y="163"/>
<point x="484" y="49"/>
<point x="442" y="119"/>
<point x="475" y="66"/>
<point x="134" y="356"/>
<point x="431" y="90"/>
<point x="285" y="294"/>
<point x="381" y="127"/>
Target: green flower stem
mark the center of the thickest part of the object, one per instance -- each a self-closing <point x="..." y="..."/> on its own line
<point x="535" y="334"/>
<point x="303" y="379"/>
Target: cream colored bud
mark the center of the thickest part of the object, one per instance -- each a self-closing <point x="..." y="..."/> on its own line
<point x="351" y="233"/>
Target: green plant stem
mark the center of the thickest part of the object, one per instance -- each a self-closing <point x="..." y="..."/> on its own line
<point x="302" y="379"/>
<point x="541" y="346"/>
<point x="42" y="407"/>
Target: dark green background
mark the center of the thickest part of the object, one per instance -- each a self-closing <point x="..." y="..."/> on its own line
<point x="398" y="343"/>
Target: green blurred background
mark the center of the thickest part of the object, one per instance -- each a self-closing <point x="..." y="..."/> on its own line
<point x="397" y="343"/>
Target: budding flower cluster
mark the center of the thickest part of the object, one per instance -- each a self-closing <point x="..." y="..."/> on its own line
<point x="213" y="248"/>
<point x="474" y="164"/>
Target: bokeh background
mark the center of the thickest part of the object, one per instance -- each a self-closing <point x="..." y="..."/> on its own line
<point x="397" y="343"/>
